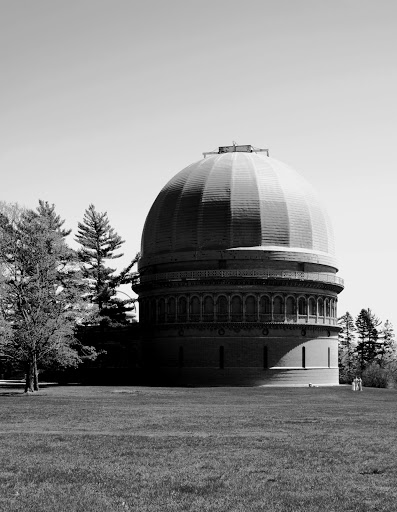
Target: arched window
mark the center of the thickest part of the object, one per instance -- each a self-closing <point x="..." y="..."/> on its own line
<point x="278" y="305"/>
<point x="290" y="305"/>
<point x="320" y="307"/>
<point x="264" y="308"/>
<point x="195" y="309"/>
<point x="208" y="309"/>
<point x="312" y="307"/>
<point x="161" y="311"/>
<point x="302" y="306"/>
<point x="171" y="309"/>
<point x="182" y="309"/>
<point x="333" y="308"/>
<point x="250" y="308"/>
<point x="237" y="309"/>
<point x="327" y="308"/>
<point x="222" y="312"/>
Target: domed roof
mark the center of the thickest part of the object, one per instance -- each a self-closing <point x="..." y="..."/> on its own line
<point x="237" y="200"/>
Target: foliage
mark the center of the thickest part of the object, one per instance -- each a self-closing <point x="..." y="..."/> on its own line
<point x="347" y="345"/>
<point x="387" y="352"/>
<point x="12" y="211"/>
<point x="41" y="294"/>
<point x="47" y="213"/>
<point x="374" y="356"/>
<point x="99" y="243"/>
<point x="368" y="345"/>
<point x="377" y="377"/>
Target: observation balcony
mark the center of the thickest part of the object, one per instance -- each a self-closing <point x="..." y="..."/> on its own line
<point x="199" y="275"/>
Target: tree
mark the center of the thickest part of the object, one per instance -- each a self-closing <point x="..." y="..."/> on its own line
<point x="368" y="345"/>
<point x="99" y="243"/>
<point x="41" y="293"/>
<point x="347" y="360"/>
<point x="47" y="212"/>
<point x="12" y="211"/>
<point x="387" y="351"/>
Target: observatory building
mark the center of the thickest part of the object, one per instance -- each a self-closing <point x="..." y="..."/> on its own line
<point x="238" y="281"/>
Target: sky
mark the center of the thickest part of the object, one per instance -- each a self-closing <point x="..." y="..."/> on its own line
<point x="103" y="101"/>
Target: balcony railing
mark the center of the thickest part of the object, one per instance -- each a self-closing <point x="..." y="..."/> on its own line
<point x="253" y="274"/>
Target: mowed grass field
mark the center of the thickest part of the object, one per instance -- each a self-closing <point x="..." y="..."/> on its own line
<point x="189" y="449"/>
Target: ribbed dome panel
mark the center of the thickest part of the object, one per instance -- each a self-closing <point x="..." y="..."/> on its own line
<point x="244" y="203"/>
<point x="237" y="200"/>
<point x="273" y="208"/>
<point x="215" y="225"/>
<point x="300" y="222"/>
<point x="185" y="228"/>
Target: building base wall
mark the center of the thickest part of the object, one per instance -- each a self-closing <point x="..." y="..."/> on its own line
<point x="247" y="377"/>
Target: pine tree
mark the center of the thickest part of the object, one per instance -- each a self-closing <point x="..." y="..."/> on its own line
<point x="347" y="360"/>
<point x="40" y="297"/>
<point x="53" y="221"/>
<point x="368" y="345"/>
<point x="99" y="243"/>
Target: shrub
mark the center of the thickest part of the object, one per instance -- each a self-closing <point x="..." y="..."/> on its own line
<point x="376" y="377"/>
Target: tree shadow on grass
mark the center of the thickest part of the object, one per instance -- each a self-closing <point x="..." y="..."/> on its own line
<point x="19" y="392"/>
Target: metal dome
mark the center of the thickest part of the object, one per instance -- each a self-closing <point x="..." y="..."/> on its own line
<point x="238" y="200"/>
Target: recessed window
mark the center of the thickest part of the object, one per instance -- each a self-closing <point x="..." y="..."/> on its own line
<point x="312" y="307"/>
<point x="222" y="309"/>
<point x="265" y="357"/>
<point x="221" y="358"/>
<point x="290" y="306"/>
<point x="250" y="309"/>
<point x="182" y="309"/>
<point x="237" y="309"/>
<point x="302" y="307"/>
<point x="208" y="310"/>
<point x="194" y="309"/>
<point x="278" y="305"/>
<point x="161" y="311"/>
<point x="264" y="307"/>
<point x="171" y="309"/>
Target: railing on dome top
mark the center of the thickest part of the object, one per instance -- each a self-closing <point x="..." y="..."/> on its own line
<point x="261" y="274"/>
<point x="236" y="148"/>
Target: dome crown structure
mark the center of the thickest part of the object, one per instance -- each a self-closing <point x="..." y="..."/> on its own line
<point x="237" y="199"/>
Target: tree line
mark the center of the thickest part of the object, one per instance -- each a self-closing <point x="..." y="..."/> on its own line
<point x="47" y="288"/>
<point x="367" y="348"/>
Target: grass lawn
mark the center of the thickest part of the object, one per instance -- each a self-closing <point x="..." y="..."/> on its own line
<point x="189" y="449"/>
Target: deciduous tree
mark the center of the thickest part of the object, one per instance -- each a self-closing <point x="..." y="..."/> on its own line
<point x="41" y="294"/>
